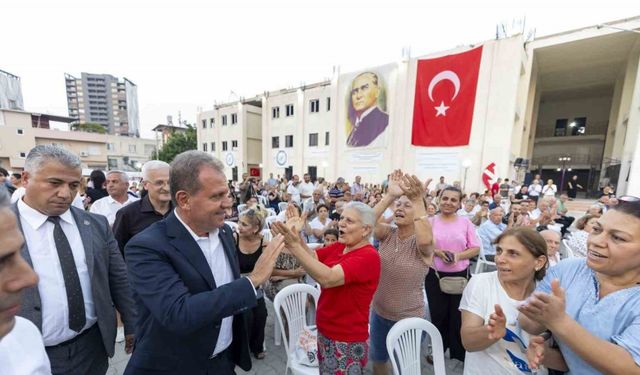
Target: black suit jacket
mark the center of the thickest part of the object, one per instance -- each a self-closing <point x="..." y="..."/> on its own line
<point x="180" y="308"/>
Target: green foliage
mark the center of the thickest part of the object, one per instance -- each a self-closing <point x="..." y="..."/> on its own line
<point x="89" y="127"/>
<point x="177" y="143"/>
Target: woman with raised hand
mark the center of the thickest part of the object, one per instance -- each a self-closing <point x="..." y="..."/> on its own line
<point x="249" y="245"/>
<point x="494" y="342"/>
<point x="592" y="305"/>
<point x="455" y="243"/>
<point x="348" y="272"/>
<point x="406" y="252"/>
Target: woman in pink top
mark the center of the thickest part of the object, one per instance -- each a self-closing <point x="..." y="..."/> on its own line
<point x="455" y="243"/>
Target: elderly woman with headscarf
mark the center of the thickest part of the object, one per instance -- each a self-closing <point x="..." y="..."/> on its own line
<point x="348" y="272"/>
<point x="592" y="306"/>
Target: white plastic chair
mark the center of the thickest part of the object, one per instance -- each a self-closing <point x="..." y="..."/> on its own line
<point x="269" y="220"/>
<point x="568" y="249"/>
<point x="266" y="234"/>
<point x="271" y="212"/>
<point x="263" y="200"/>
<point x="282" y="206"/>
<point x="403" y="344"/>
<point x="234" y="226"/>
<point x="293" y="300"/>
<point x="482" y="261"/>
<point x="242" y="208"/>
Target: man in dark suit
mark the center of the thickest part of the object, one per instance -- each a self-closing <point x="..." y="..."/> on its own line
<point x="368" y="120"/>
<point x="185" y="277"/>
<point x="82" y="273"/>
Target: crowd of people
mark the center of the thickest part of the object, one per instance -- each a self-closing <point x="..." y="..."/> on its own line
<point x="185" y="262"/>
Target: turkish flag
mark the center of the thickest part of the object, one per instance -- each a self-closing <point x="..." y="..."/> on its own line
<point x="444" y="100"/>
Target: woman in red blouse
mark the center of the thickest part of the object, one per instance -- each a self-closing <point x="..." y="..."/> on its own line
<point x="348" y="272"/>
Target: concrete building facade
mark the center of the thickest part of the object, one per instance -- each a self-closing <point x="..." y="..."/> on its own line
<point x="18" y="135"/>
<point x="105" y="100"/>
<point x="560" y="105"/>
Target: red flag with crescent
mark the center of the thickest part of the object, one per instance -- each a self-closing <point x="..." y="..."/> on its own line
<point x="445" y="98"/>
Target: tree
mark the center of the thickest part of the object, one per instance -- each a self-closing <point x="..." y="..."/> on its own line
<point x="89" y="127"/>
<point x="178" y="142"/>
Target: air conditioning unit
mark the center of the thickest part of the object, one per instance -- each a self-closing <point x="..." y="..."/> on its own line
<point x="84" y="154"/>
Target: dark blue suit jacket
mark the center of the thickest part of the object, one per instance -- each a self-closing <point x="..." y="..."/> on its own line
<point x="180" y="308"/>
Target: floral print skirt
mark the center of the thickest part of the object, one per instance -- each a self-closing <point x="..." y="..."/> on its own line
<point x="341" y="358"/>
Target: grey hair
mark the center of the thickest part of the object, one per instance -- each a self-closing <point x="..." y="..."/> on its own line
<point x="185" y="169"/>
<point x="153" y="165"/>
<point x="124" y="177"/>
<point x="46" y="152"/>
<point x="366" y="213"/>
<point x="5" y="199"/>
<point x="496" y="209"/>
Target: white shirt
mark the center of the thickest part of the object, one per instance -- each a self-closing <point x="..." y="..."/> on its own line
<point x="22" y="351"/>
<point x="38" y="233"/>
<point x="549" y="190"/>
<point x="221" y="269"/>
<point x="468" y="215"/>
<point x="294" y="192"/>
<point x="316" y="224"/>
<point x="504" y="357"/>
<point x="108" y="207"/>
<point x="306" y="188"/>
<point x="535" y="190"/>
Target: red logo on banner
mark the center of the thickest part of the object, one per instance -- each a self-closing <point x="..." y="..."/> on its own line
<point x="254" y="172"/>
<point x="444" y="100"/>
<point x="488" y="175"/>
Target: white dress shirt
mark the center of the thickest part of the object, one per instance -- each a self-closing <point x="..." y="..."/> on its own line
<point x="38" y="233"/>
<point x="306" y="188"/>
<point x="108" y="207"/>
<point x="221" y="269"/>
<point x="22" y="351"/>
<point x="294" y="191"/>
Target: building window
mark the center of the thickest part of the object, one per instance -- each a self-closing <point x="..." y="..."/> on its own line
<point x="110" y="146"/>
<point x="234" y="144"/>
<point x="313" y="139"/>
<point x="288" y="141"/>
<point x="212" y="122"/>
<point x="20" y="131"/>
<point x="578" y="126"/>
<point x="315" y="105"/>
<point x="234" y="118"/>
<point x="224" y="120"/>
<point x="326" y="139"/>
<point x="328" y="104"/>
<point x="275" y="112"/>
<point x="213" y="146"/>
<point x="289" y="110"/>
<point x="204" y="124"/>
<point x="224" y="145"/>
<point x="204" y="147"/>
<point x="561" y="127"/>
<point x="132" y="149"/>
<point x="23" y="155"/>
<point x="275" y="142"/>
<point x="113" y="163"/>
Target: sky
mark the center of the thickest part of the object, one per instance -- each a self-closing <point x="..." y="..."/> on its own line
<point x="187" y="55"/>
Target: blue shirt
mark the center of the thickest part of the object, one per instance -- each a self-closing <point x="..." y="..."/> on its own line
<point x="488" y="232"/>
<point x="614" y="318"/>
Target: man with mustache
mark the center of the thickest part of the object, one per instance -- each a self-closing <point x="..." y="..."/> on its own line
<point x="83" y="279"/>
<point x="155" y="206"/>
<point x="368" y="120"/>
<point x="21" y="347"/>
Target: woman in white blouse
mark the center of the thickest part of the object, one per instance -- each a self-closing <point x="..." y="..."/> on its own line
<point x="578" y="240"/>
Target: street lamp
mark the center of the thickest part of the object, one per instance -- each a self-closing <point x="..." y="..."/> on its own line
<point x="564" y="160"/>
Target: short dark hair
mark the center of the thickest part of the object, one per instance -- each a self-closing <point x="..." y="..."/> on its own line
<point x="318" y="207"/>
<point x="331" y="231"/>
<point x="582" y="222"/>
<point x="532" y="241"/>
<point x="16" y="175"/>
<point x="627" y="207"/>
<point x="4" y="172"/>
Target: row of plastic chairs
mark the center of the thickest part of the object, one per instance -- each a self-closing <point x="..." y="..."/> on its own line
<point x="403" y="342"/>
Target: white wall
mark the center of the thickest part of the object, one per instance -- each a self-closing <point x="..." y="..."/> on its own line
<point x="595" y="109"/>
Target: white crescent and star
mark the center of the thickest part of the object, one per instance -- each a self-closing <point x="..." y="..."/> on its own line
<point x="446" y="75"/>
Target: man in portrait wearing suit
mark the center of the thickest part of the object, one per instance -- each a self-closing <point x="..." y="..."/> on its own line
<point x="368" y="120"/>
<point x="186" y="281"/>
<point x="81" y="272"/>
